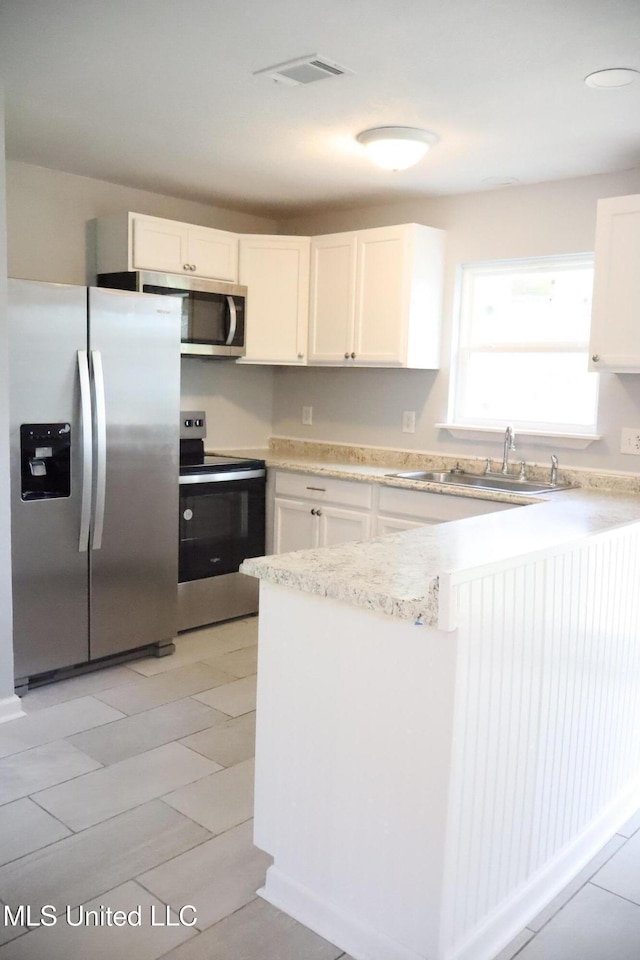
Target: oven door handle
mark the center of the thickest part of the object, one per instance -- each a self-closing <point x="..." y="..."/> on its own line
<point x="222" y="477"/>
<point x="233" y="320"/>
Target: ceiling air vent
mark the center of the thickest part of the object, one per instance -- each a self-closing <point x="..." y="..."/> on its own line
<point x="304" y="70"/>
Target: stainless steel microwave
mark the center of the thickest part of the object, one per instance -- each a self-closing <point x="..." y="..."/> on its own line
<point x="213" y="312"/>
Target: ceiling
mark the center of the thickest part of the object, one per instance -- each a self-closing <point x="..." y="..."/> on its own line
<point x="161" y="94"/>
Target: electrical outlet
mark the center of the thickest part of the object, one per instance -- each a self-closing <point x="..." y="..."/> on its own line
<point x="307" y="415"/>
<point x="630" y="440"/>
<point x="408" y="421"/>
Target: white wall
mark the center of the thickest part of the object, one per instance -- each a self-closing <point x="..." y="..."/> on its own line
<point x="365" y="406"/>
<point x="238" y="401"/>
<point x="8" y="703"/>
<point x="47" y="216"/>
<point x="48" y="213"/>
<point x="48" y="239"/>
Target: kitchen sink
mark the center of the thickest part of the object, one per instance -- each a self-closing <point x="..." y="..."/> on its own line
<point x="459" y="478"/>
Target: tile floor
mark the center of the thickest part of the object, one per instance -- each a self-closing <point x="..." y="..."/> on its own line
<point x="131" y="789"/>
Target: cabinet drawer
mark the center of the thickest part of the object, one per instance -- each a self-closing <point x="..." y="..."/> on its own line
<point x="324" y="489"/>
<point x="424" y="505"/>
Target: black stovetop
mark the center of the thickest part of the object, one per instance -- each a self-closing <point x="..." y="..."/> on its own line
<point x="194" y="460"/>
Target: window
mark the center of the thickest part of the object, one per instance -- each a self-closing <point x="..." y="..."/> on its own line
<point x="522" y="348"/>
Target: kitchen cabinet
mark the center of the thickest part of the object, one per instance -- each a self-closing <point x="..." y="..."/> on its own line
<point x="317" y="511"/>
<point x="276" y="272"/>
<point x="401" y="509"/>
<point x="615" y="324"/>
<point x="311" y="511"/>
<point x="130" y="241"/>
<point x="332" y="298"/>
<point x="376" y="297"/>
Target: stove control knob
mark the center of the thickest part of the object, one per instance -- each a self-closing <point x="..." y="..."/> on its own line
<point x="188" y="514"/>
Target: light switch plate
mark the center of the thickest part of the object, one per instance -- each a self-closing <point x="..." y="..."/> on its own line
<point x="408" y="421"/>
<point x="630" y="440"/>
<point x="307" y="415"/>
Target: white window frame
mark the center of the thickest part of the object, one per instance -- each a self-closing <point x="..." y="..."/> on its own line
<point x="463" y="349"/>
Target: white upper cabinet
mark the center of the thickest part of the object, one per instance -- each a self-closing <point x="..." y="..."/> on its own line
<point x="130" y="241"/>
<point x="332" y="297"/>
<point x="615" y="323"/>
<point x="376" y="297"/>
<point x="276" y="272"/>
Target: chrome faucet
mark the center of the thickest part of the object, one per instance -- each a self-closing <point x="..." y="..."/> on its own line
<point x="509" y="444"/>
<point x="553" y="479"/>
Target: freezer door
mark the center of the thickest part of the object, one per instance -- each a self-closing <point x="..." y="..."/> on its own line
<point x="47" y="328"/>
<point x="134" y="345"/>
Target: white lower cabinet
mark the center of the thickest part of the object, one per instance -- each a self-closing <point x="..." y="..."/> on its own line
<point x="385" y="525"/>
<point x="314" y="511"/>
<point x="400" y="509"/>
<point x="311" y="511"/>
<point x="294" y="526"/>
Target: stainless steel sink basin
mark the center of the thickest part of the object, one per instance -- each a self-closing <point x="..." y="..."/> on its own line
<point x="458" y="478"/>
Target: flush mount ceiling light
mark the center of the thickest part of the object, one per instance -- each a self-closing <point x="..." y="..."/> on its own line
<point x="611" y="78"/>
<point x="396" y="148"/>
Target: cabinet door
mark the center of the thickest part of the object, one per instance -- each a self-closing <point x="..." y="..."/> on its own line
<point x="339" y="526"/>
<point x="331" y="309"/>
<point x="385" y="525"/>
<point x="294" y="526"/>
<point x="213" y="253"/>
<point x="159" y="245"/>
<point x="382" y="296"/>
<point x="276" y="272"/>
<point x="615" y="325"/>
<point x="420" y="507"/>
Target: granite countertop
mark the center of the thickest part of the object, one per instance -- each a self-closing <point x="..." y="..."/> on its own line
<point x="400" y="574"/>
<point x="369" y="473"/>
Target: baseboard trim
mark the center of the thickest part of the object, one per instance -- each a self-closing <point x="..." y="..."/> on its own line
<point x="10" y="709"/>
<point x="512" y="916"/>
<point x="325" y="919"/>
<point x="482" y="943"/>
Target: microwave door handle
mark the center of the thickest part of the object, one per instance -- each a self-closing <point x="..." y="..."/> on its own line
<point x="233" y="318"/>
<point x="87" y="451"/>
<point x="101" y="448"/>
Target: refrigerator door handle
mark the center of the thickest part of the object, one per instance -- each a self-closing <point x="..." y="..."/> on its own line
<point x="87" y="451"/>
<point x="101" y="448"/>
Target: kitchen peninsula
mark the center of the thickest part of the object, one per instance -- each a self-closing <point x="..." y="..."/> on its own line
<point x="448" y="722"/>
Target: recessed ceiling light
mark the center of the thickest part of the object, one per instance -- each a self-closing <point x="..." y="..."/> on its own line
<point x="396" y="148"/>
<point x="612" y="77"/>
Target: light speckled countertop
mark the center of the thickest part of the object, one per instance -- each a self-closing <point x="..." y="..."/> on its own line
<point x="399" y="574"/>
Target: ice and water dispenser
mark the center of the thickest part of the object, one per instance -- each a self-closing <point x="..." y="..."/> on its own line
<point x="45" y="460"/>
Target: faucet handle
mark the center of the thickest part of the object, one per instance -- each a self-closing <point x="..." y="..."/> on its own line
<point x="553" y="478"/>
<point x="521" y="475"/>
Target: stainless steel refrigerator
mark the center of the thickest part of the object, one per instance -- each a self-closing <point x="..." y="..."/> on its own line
<point x="94" y="407"/>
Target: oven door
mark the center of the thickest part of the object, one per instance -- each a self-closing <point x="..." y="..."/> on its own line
<point x="222" y="522"/>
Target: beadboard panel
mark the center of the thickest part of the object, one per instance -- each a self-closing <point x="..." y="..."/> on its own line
<point x="546" y="746"/>
<point x="426" y="792"/>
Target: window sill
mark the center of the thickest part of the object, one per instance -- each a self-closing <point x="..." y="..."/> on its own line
<point x="545" y="438"/>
